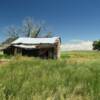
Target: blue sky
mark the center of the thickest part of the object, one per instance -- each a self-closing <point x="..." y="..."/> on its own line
<point x="70" y="19"/>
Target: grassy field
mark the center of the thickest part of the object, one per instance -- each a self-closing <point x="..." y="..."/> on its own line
<point x="76" y="76"/>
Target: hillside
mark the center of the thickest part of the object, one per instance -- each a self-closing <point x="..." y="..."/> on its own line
<point x="76" y="76"/>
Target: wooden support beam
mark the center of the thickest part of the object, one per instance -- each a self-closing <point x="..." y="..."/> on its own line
<point x="15" y="51"/>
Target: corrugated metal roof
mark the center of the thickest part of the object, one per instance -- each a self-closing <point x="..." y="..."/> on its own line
<point x="26" y="40"/>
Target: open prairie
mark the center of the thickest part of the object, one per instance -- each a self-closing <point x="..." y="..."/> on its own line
<point x="76" y="76"/>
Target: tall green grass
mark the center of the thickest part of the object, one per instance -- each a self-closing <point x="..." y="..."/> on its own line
<point x="26" y="78"/>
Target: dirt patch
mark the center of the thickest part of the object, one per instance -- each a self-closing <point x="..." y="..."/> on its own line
<point x="3" y="61"/>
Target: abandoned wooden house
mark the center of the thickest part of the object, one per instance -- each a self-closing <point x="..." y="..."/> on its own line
<point x="37" y="47"/>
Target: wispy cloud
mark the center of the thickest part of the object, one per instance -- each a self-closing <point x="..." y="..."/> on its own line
<point x="77" y="45"/>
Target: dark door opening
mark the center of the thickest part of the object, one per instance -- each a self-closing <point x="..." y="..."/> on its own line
<point x="30" y="52"/>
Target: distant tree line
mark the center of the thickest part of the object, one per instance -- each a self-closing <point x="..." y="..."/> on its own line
<point x="96" y="45"/>
<point x="29" y="28"/>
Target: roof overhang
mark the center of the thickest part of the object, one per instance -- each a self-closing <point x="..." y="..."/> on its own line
<point x="25" y="46"/>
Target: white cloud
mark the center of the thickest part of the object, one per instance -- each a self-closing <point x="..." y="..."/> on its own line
<point x="77" y="45"/>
